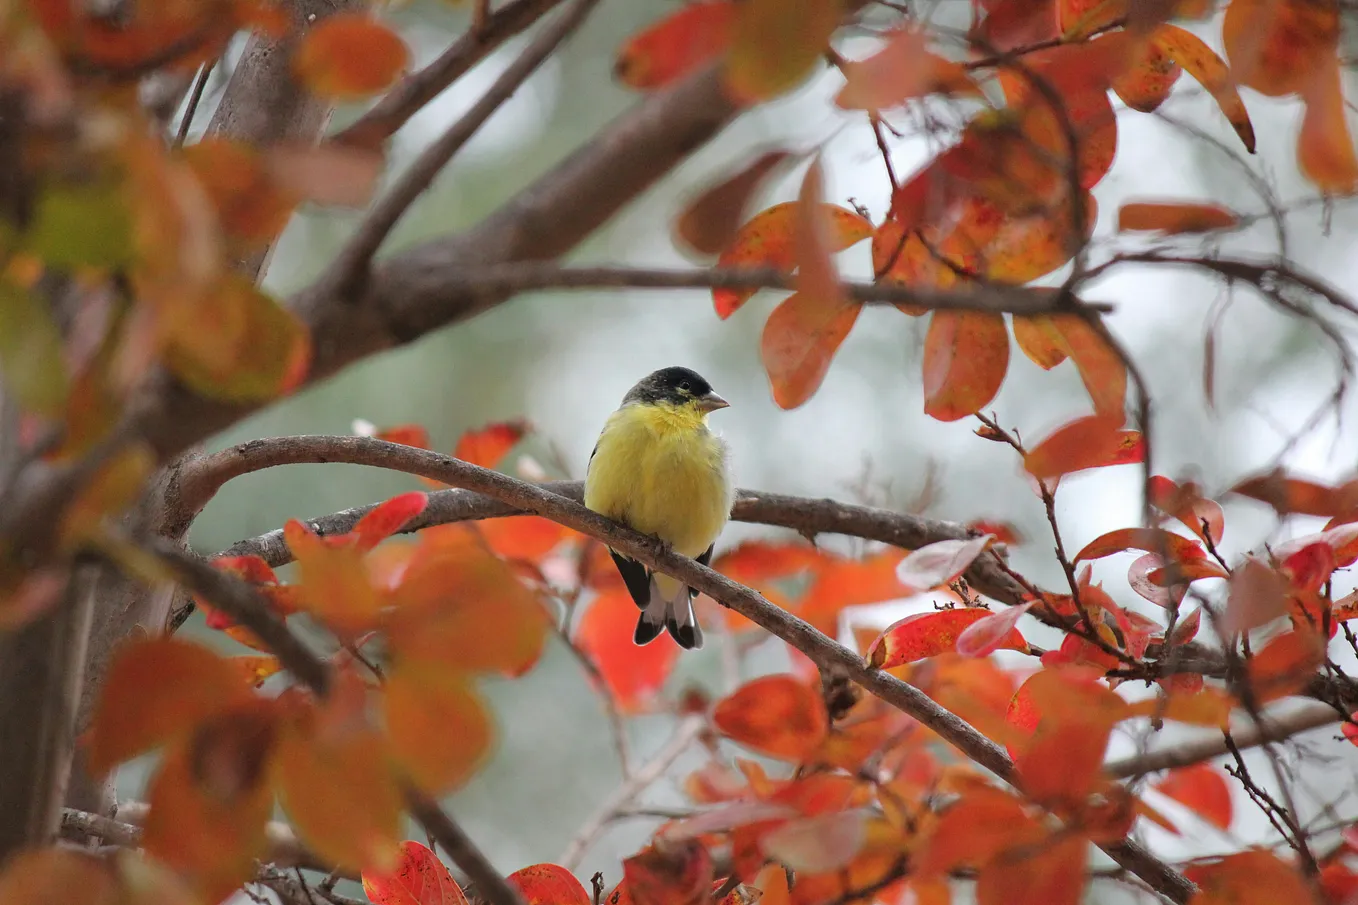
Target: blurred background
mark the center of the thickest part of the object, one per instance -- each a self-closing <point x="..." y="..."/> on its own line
<point x="564" y="360"/>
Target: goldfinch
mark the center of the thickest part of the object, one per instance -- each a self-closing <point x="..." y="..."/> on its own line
<point x="658" y="469"/>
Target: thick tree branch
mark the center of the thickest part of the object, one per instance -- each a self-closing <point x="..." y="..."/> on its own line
<point x="410" y="95"/>
<point x="827" y="654"/>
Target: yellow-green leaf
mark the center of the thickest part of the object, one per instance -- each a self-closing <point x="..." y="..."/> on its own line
<point x="777" y="43"/>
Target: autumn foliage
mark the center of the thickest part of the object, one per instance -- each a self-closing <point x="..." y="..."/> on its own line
<point x="962" y="742"/>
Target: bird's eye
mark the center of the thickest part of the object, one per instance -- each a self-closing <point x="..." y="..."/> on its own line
<point x="683" y="385"/>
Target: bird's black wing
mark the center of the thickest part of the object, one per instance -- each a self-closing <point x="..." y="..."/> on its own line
<point x="705" y="559"/>
<point x="636" y="576"/>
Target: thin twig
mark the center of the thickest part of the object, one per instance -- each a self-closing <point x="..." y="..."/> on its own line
<point x="195" y="95"/>
<point x="352" y="262"/>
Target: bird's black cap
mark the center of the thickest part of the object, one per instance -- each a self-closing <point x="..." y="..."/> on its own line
<point x="674" y="384"/>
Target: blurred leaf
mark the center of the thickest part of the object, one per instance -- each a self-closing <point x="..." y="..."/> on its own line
<point x="1026" y="248"/>
<point x="799" y="341"/>
<point x="1255" y="877"/>
<point x="775" y="45"/>
<point x="85" y="224"/>
<point x="334" y="584"/>
<point x="157" y="690"/>
<point x="524" y="537"/>
<point x="676" y="45"/>
<point x="818" y="844"/>
<point x="385" y="519"/>
<point x="966" y="355"/>
<point x="1257" y="596"/>
<point x="1039" y="339"/>
<point x="1051" y="872"/>
<point x="487" y="446"/>
<point x="681" y="875"/>
<point x="255" y="669"/>
<point x="766" y="240"/>
<point x="1174" y="218"/>
<point x="548" y="884"/>
<point x="1147" y="84"/>
<point x="51" y="876"/>
<point x="32" y="354"/>
<point x="633" y="675"/>
<point x="1285" y="665"/>
<point x="1275" y="46"/>
<point x="1092" y="442"/>
<point x="983" y="823"/>
<point x="709" y="223"/>
<point x="419" y="878"/>
<point x="1202" y="789"/>
<point x="1186" y="503"/>
<point x="438" y="726"/>
<point x="985" y="636"/>
<point x="1294" y="495"/>
<point x="329" y="174"/>
<point x="775" y="715"/>
<point x="250" y="205"/>
<point x="349" y="56"/>
<point x="902" y="70"/>
<point x="1325" y="151"/>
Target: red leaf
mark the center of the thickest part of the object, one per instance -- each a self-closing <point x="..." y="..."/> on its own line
<point x="966" y="355"/>
<point x="548" y="884"/>
<point x="1275" y="45"/>
<point x="1295" y="496"/>
<point x="633" y="675"/>
<point x="766" y="240"/>
<point x="524" y="537"/>
<point x="1151" y="540"/>
<point x="926" y="635"/>
<point x="988" y="635"/>
<point x="1202" y="789"/>
<point x="755" y="562"/>
<point x="774" y="715"/>
<point x="349" y="56"/>
<point x="983" y="823"/>
<point x="419" y="879"/>
<point x="941" y="562"/>
<point x="799" y="341"/>
<point x="406" y="434"/>
<point x="1187" y="504"/>
<point x="1092" y="442"/>
<point x="1175" y="218"/>
<point x="1050" y="872"/>
<point x="681" y="875"/>
<point x="489" y="445"/>
<point x="386" y="519"/>
<point x="676" y="45"/>
<point x="1285" y="665"/>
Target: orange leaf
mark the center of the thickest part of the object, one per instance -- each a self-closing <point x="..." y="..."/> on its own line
<point x="1093" y="442"/>
<point x="811" y="241"/>
<point x="676" y="45"/>
<point x="1325" y="145"/>
<point x="709" y="223"/>
<point x="941" y="562"/>
<point x="54" y="875"/>
<point x="415" y="435"/>
<point x="461" y="607"/>
<point x="633" y="675"/>
<point x="1275" y="45"/>
<point x="548" y="884"/>
<point x="800" y="339"/>
<point x="1175" y="218"/>
<point x="1152" y="540"/>
<point x="1102" y="372"/>
<point x="254" y="670"/>
<point x="902" y="70"/>
<point x="349" y="56"/>
<point x="334" y="582"/>
<point x="250" y="205"/>
<point x="156" y="690"/>
<point x="1255" y="877"/>
<point x="1025" y="248"/>
<point x="437" y="724"/>
<point x="1296" y="496"/>
<point x="1039" y="339"/>
<point x="1202" y="789"/>
<point x="419" y="878"/>
<point x="1201" y="62"/>
<point x="983" y="823"/>
<point x="755" y="562"/>
<point x="1209" y="707"/>
<point x="488" y="445"/>
<point x="930" y="634"/>
<point x="766" y="240"/>
<point x="386" y="519"/>
<point x="341" y="796"/>
<point x="966" y="355"/>
<point x="1200" y="515"/>
<point x="525" y="537"/>
<point x="1046" y="872"/>
<point x="774" y="715"/>
<point x="1147" y="83"/>
<point x="210" y="831"/>
<point x="1285" y="665"/>
<point x="776" y="43"/>
<point x="681" y="875"/>
<point x="840" y="582"/>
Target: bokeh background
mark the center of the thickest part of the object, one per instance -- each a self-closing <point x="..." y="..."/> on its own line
<point x="563" y="360"/>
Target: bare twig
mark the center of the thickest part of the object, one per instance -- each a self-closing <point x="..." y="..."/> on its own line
<point x="631" y="787"/>
<point x="353" y="261"/>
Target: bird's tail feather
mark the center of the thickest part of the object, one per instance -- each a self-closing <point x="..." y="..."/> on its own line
<point x="673" y="614"/>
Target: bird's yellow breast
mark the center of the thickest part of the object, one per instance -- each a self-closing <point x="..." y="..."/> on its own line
<point x="659" y="470"/>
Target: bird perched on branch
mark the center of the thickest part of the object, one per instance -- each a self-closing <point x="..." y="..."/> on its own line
<point x="658" y="469"/>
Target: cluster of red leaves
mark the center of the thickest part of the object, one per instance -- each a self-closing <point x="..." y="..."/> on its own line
<point x="1010" y="201"/>
<point x="420" y="878"/>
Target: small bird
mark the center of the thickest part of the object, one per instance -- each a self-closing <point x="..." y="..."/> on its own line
<point x="658" y="469"/>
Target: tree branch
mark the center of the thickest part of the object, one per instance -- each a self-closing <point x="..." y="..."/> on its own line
<point x="410" y="95"/>
<point x="827" y="654"/>
<point x="351" y="265"/>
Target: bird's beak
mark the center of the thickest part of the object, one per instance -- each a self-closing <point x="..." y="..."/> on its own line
<point x="710" y="402"/>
